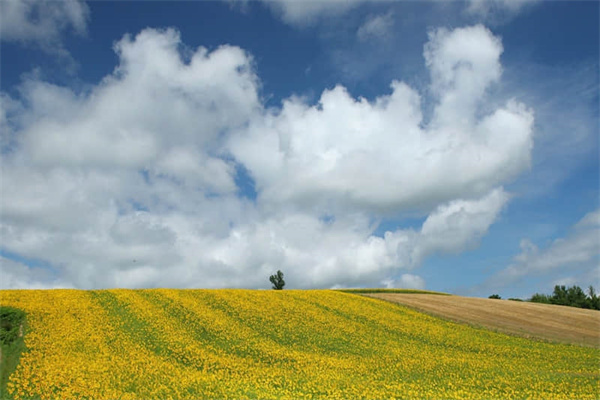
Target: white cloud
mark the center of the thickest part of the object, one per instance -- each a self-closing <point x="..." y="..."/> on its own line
<point x="376" y="27"/>
<point x="303" y="13"/>
<point x="124" y="120"/>
<point x="147" y="137"/>
<point x="42" y="22"/>
<point x="463" y="64"/>
<point x="133" y="184"/>
<point x="346" y="153"/>
<point x="459" y="225"/>
<point x="315" y="253"/>
<point x="580" y="248"/>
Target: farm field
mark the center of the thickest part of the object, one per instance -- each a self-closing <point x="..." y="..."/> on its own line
<point x="184" y="344"/>
<point x="535" y="320"/>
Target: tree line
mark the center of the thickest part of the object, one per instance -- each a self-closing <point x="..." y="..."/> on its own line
<point x="572" y="296"/>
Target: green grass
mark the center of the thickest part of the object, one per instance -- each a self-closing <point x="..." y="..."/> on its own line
<point x="11" y="344"/>
<point x="381" y="290"/>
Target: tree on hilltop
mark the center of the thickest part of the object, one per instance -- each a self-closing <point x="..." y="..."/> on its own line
<point x="277" y="280"/>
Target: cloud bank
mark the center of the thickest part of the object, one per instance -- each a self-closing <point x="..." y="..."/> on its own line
<point x="138" y="181"/>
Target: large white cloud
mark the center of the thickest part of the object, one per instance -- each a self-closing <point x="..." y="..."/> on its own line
<point x="346" y="153"/>
<point x="154" y="110"/>
<point x="133" y="183"/>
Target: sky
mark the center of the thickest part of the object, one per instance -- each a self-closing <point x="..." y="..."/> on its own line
<point x="448" y="146"/>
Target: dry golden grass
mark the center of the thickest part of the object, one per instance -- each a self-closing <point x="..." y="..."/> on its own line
<point x="533" y="320"/>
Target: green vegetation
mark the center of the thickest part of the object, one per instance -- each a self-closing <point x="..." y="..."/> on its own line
<point x="277" y="280"/>
<point x="381" y="290"/>
<point x="12" y="326"/>
<point x="573" y="296"/>
<point x="495" y="296"/>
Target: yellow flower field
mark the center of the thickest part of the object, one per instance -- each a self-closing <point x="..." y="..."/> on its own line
<point x="217" y="344"/>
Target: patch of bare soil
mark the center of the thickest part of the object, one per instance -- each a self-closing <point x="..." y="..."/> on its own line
<point x="532" y="320"/>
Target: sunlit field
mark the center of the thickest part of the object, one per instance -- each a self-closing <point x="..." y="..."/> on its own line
<point x="235" y="344"/>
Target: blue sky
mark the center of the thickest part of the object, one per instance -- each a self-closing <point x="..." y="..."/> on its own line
<point x="449" y="146"/>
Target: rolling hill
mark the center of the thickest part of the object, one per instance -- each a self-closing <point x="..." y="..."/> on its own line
<point x="191" y="344"/>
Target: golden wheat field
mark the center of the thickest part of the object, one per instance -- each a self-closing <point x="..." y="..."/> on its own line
<point x="535" y="320"/>
<point x="237" y="344"/>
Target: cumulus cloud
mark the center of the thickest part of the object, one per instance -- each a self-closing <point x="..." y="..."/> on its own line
<point x="124" y="120"/>
<point x="346" y="153"/>
<point x="42" y="22"/>
<point x="90" y="178"/>
<point x="133" y="183"/>
<point x="319" y="253"/>
<point x="580" y="248"/>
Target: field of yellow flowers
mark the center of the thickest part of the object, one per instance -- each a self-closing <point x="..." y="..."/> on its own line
<point x="223" y="344"/>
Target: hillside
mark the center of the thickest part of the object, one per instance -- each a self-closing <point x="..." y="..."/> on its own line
<point x="193" y="344"/>
<point x="542" y="321"/>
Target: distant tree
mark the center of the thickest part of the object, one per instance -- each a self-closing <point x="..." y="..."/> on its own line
<point x="594" y="299"/>
<point x="572" y="296"/>
<point x="576" y="297"/>
<point x="277" y="280"/>
<point x="560" y="295"/>
<point x="540" y="298"/>
<point x="495" y="296"/>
